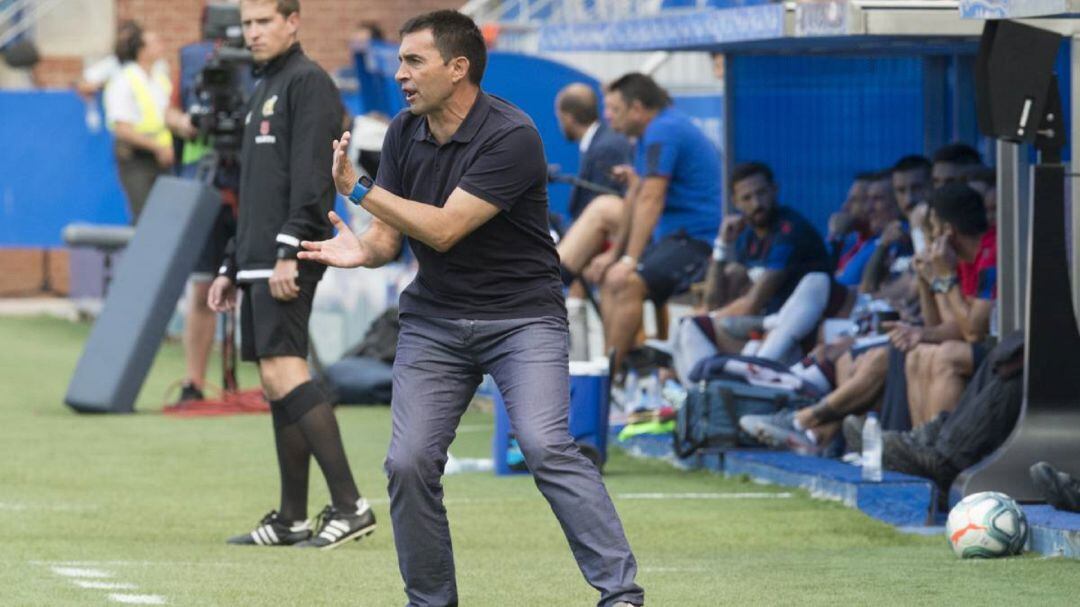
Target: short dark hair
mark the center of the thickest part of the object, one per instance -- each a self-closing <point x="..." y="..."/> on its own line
<point x="582" y="108"/>
<point x="456" y="35"/>
<point x="882" y="175"/>
<point x="129" y="41"/>
<point x="748" y="170"/>
<point x="912" y="162"/>
<point x="636" y="86"/>
<point x="961" y="207"/>
<point x="987" y="175"/>
<point x="283" y="7"/>
<point x="865" y="176"/>
<point x="958" y="153"/>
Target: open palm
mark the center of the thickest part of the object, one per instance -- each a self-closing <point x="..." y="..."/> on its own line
<point x="342" y="251"/>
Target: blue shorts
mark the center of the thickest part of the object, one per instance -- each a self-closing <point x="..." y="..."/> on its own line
<point x="670" y="265"/>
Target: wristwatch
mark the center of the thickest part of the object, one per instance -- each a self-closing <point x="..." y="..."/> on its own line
<point x="943" y="284"/>
<point x="361" y="189"/>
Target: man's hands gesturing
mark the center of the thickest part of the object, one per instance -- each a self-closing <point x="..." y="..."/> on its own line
<point x="342" y="251"/>
<point x="345" y="176"/>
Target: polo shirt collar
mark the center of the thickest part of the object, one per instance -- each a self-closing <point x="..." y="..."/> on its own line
<point x="468" y="128"/>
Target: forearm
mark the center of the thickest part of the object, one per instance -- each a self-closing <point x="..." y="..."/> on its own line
<point x="928" y="305"/>
<point x="126" y="133"/>
<point x="871" y="278"/>
<point x="946" y="331"/>
<point x="966" y="320"/>
<point x="427" y="223"/>
<point x="619" y="242"/>
<point x="382" y="243"/>
<point x="742" y="306"/>
<point x="646" y="211"/>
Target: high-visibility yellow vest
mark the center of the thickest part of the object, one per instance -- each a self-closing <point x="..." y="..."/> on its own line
<point x="152" y="118"/>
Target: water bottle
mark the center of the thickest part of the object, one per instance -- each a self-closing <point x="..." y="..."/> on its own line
<point x="456" y="465"/>
<point x="631" y="392"/>
<point x="871" y="449"/>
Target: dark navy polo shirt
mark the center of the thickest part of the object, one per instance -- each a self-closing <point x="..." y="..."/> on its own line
<point x="791" y="244"/>
<point x="506" y="268"/>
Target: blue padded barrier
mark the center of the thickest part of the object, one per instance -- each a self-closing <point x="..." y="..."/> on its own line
<point x="899" y="499"/>
<point x="1053" y="532"/>
<point x="53" y="170"/>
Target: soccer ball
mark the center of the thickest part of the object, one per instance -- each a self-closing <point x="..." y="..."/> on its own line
<point x="987" y="525"/>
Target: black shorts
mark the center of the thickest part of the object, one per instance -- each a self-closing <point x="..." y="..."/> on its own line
<point x="213" y="251"/>
<point x="269" y="327"/>
<point x="670" y="265"/>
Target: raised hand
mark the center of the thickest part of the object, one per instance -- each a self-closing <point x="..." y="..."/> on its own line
<point x="342" y="251"/>
<point x="345" y="176"/>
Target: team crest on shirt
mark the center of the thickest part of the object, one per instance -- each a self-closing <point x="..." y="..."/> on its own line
<point x="264" y="135"/>
<point x="268" y="106"/>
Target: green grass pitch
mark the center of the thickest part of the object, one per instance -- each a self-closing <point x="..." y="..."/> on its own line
<point x="148" y="500"/>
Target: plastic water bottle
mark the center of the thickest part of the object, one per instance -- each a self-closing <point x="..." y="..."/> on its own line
<point x="871" y="449"/>
<point x="456" y="465"/>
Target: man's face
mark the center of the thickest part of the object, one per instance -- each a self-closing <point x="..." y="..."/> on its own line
<point x="881" y="205"/>
<point x="947" y="172"/>
<point x="266" y="32"/>
<point x="855" y="204"/>
<point x="153" y="50"/>
<point x="626" y="118"/>
<point x="910" y="188"/>
<point x="755" y="198"/>
<point x="426" y="79"/>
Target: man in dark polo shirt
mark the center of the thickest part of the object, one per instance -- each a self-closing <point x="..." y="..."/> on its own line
<point x="463" y="176"/>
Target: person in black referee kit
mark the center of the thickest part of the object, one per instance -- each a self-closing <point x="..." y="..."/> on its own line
<point x="463" y="175"/>
<point x="285" y="191"/>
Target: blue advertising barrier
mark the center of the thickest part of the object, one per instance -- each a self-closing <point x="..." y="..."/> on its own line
<point x="53" y="169"/>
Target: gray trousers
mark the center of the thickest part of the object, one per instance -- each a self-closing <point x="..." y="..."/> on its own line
<point x="438" y="366"/>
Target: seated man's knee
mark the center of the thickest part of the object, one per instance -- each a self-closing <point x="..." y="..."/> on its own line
<point x="952" y="358"/>
<point x="875" y="362"/>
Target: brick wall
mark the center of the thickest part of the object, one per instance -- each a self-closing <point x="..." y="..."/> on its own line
<point x="325" y="29"/>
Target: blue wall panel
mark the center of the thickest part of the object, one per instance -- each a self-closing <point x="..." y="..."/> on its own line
<point x="53" y="171"/>
<point x="819" y="120"/>
<point x="531" y="83"/>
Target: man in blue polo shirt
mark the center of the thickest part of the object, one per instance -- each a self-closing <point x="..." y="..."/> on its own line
<point x="661" y="245"/>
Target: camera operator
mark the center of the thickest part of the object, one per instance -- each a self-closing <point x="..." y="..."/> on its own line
<point x="138" y="113"/>
<point x="215" y="83"/>
<point x="286" y="191"/>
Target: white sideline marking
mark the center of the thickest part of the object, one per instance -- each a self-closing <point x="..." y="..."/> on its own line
<point x="104" y="585"/>
<point x="702" y="496"/>
<point x="474" y="428"/>
<point x="138" y="599"/>
<point x="80" y="572"/>
<point x="17" y="507"/>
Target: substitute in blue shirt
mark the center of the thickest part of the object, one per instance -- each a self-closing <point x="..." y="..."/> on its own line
<point x="659" y="234"/>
